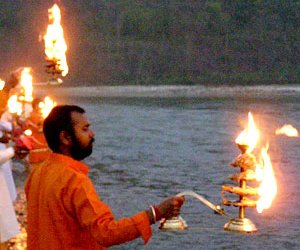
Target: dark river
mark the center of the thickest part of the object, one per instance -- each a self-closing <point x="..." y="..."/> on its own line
<point x="148" y="149"/>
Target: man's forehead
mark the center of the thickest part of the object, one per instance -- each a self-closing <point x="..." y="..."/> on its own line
<point x="79" y="118"/>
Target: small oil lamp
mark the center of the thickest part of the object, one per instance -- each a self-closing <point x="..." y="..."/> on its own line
<point x="177" y="223"/>
<point x="173" y="224"/>
<point x="246" y="142"/>
<point x="259" y="197"/>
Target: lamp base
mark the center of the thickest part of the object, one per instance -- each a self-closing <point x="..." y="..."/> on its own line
<point x="173" y="224"/>
<point x="240" y="225"/>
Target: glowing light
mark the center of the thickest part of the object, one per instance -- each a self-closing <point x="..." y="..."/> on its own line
<point x="28" y="132"/>
<point x="249" y="136"/>
<point x="268" y="186"/>
<point x="26" y="86"/>
<point x="55" y="45"/>
<point x="2" y="84"/>
<point x="287" y="130"/>
<point x="46" y="106"/>
<point x="14" y="106"/>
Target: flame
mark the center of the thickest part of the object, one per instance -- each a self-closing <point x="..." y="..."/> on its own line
<point x="26" y="86"/>
<point x="28" y="132"/>
<point x="55" y="45"/>
<point x="287" y="130"/>
<point x="2" y="84"/>
<point x="20" y="103"/>
<point x="14" y="106"/>
<point x="248" y="136"/>
<point x="268" y="186"/>
<point x="46" y="106"/>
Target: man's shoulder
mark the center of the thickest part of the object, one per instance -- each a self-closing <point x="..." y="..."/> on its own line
<point x="67" y="163"/>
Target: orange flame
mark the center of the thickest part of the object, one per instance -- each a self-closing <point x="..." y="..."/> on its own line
<point x="2" y="84"/>
<point x="28" y="132"/>
<point x="26" y="85"/>
<point x="46" y="106"/>
<point x="267" y="189"/>
<point x="287" y="130"/>
<point x="248" y="136"/>
<point x="55" y="45"/>
<point x="14" y="106"/>
<point x="20" y="103"/>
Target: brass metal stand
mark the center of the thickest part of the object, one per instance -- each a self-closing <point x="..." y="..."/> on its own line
<point x="242" y="224"/>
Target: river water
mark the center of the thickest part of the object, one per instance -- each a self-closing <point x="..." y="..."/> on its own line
<point x="148" y="149"/>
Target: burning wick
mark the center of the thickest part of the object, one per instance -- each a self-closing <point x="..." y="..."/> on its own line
<point x="248" y="138"/>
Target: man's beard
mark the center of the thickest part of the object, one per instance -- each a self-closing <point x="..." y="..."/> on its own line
<point x="78" y="152"/>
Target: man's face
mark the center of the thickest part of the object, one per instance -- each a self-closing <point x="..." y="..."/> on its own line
<point x="82" y="137"/>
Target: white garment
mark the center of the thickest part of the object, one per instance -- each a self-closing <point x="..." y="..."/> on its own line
<point x="7" y="165"/>
<point x="8" y="220"/>
<point x="5" y="126"/>
<point x="6" y="172"/>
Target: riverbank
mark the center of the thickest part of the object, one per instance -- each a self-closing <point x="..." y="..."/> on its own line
<point x="167" y="91"/>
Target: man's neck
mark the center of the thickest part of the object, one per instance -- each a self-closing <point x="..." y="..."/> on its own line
<point x="65" y="151"/>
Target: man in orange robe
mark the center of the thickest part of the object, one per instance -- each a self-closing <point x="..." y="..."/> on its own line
<point x="64" y="210"/>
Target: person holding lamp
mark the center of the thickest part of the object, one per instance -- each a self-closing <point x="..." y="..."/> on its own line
<point x="64" y="210"/>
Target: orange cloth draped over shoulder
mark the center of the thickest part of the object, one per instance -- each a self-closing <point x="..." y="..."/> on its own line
<point x="40" y="150"/>
<point x="65" y="212"/>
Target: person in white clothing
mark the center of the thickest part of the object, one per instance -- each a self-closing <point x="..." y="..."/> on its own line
<point x="8" y="220"/>
<point x="6" y="166"/>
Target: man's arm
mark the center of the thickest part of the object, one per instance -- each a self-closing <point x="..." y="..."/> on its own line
<point x="97" y="216"/>
<point x="94" y="214"/>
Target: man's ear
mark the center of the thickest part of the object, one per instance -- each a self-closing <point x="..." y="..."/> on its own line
<point x="65" y="138"/>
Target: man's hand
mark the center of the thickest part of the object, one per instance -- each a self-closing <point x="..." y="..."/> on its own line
<point x="167" y="209"/>
<point x="21" y="152"/>
<point x="23" y="145"/>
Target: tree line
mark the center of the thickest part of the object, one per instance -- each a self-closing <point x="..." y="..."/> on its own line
<point x="161" y="41"/>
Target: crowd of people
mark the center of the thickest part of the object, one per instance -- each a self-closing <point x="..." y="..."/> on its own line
<point x="64" y="210"/>
<point x="8" y="221"/>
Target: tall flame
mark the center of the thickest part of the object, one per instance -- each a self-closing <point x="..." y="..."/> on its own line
<point x="55" y="45"/>
<point x="287" y="130"/>
<point x="26" y="85"/>
<point x="46" y="106"/>
<point x="20" y="103"/>
<point x="2" y="84"/>
<point x="267" y="189"/>
<point x="249" y="136"/>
